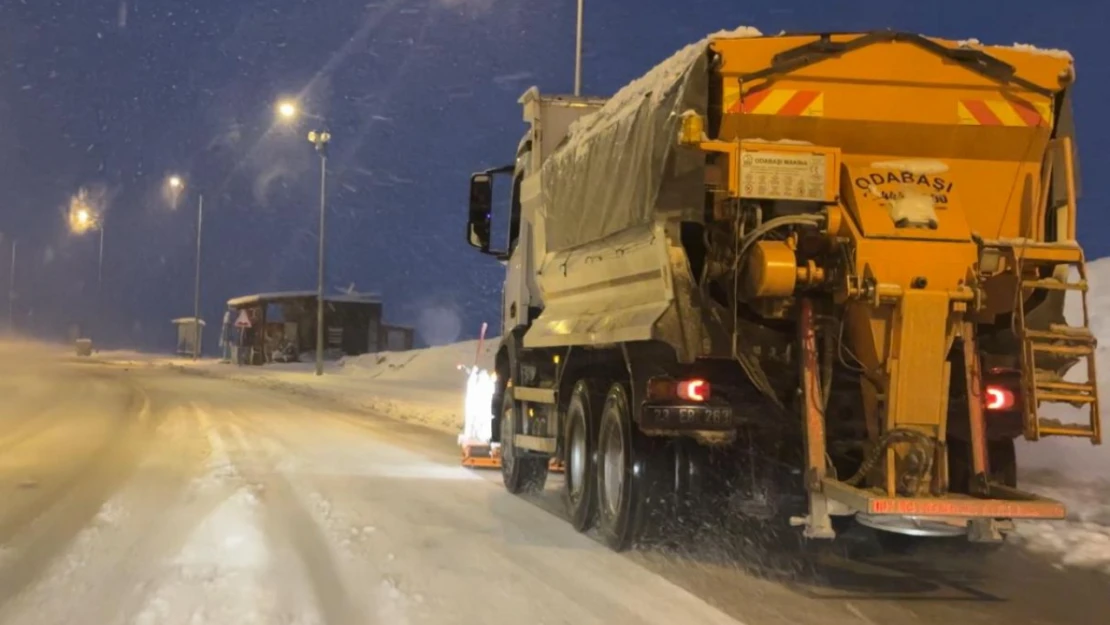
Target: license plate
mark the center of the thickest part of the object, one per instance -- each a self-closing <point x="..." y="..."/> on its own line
<point x="687" y="417"/>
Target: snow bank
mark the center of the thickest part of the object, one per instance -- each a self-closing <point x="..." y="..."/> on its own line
<point x="423" y="386"/>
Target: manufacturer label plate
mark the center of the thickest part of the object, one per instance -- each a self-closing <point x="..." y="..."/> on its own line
<point x="782" y="175"/>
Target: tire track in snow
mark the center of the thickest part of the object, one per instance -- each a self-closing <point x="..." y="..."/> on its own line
<point x="385" y="598"/>
<point x="432" y="538"/>
<point x="167" y="504"/>
<point x="213" y="572"/>
<point x="289" y="524"/>
<point x="39" y="532"/>
<point x="112" y="560"/>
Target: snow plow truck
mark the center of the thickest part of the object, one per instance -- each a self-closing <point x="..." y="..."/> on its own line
<point x="829" y="262"/>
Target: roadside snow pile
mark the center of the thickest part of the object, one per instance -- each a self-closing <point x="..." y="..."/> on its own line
<point x="423" y="386"/>
<point x="1082" y="545"/>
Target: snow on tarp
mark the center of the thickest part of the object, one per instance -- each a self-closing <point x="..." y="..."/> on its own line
<point x="631" y="139"/>
<point x="1023" y="47"/>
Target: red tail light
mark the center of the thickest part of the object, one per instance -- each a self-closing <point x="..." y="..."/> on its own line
<point x="693" y="390"/>
<point x="998" y="398"/>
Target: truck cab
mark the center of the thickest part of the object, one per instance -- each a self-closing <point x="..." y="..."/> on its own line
<point x="549" y="119"/>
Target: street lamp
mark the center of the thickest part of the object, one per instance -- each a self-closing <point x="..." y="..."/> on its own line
<point x="82" y="218"/>
<point x="288" y="111"/>
<point x="176" y="184"/>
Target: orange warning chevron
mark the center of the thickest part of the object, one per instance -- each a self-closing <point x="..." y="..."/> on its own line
<point x="793" y="102"/>
<point x="1003" y="113"/>
<point x="787" y="102"/>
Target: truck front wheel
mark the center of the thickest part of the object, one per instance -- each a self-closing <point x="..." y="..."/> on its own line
<point x="521" y="470"/>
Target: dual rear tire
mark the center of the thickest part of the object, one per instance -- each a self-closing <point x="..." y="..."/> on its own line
<point x="609" y="465"/>
<point x="617" y="479"/>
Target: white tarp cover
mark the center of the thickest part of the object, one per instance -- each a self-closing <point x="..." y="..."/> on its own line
<point x="621" y="164"/>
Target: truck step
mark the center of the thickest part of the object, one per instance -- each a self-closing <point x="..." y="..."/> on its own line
<point x="534" y="395"/>
<point x="1062" y="333"/>
<point x="541" y="444"/>
<point x="1068" y="387"/>
<point x="1055" y="285"/>
<point x="1065" y="398"/>
<point x="1063" y="350"/>
<point x="1077" y="431"/>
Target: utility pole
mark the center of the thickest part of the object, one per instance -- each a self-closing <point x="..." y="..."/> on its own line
<point x="11" y="292"/>
<point x="196" y="285"/>
<point x="578" y="54"/>
<point x="100" y="266"/>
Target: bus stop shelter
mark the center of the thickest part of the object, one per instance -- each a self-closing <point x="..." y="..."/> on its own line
<point x="187" y="335"/>
<point x="280" y="327"/>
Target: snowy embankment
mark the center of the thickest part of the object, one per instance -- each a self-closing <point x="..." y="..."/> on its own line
<point x="424" y="386"/>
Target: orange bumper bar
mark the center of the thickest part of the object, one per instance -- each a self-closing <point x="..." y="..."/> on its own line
<point x="486" y="456"/>
<point x="1003" y="503"/>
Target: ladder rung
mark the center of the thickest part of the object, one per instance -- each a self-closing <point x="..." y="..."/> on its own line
<point x="1078" y="430"/>
<point x="1054" y="285"/>
<point x="1071" y="334"/>
<point x="1071" y="350"/>
<point x="1066" y="398"/>
<point x="1075" y="387"/>
<point x="1063" y="328"/>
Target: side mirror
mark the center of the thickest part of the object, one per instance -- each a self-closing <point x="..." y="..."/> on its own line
<point x="481" y="211"/>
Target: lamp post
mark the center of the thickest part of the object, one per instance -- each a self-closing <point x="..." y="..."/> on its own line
<point x="176" y="184"/>
<point x="11" y="292"/>
<point x="288" y="111"/>
<point x="578" y="53"/>
<point x="82" y="219"/>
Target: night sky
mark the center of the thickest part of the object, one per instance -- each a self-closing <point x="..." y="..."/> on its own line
<point x="114" y="95"/>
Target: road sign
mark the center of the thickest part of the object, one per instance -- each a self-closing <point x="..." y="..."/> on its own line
<point x="243" y="321"/>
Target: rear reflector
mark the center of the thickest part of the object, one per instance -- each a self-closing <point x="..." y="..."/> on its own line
<point x="693" y="390"/>
<point x="998" y="398"/>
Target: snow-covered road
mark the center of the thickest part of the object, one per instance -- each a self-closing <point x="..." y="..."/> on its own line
<point x="143" y="495"/>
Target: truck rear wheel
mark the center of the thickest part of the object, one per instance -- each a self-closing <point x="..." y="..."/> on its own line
<point x="581" y="455"/>
<point x="624" y="469"/>
<point x="521" y="470"/>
